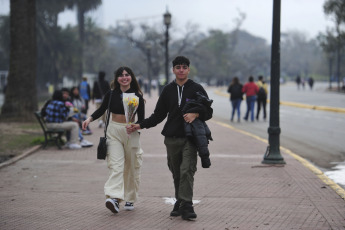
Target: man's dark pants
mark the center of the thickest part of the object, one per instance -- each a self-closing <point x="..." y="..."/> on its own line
<point x="261" y="102"/>
<point x="182" y="161"/>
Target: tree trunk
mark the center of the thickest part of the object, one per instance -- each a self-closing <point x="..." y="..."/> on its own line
<point x="81" y="27"/>
<point x="21" y="97"/>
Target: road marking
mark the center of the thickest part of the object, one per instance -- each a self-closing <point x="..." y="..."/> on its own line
<point x="171" y="200"/>
<point x="212" y="155"/>
<point x="339" y="190"/>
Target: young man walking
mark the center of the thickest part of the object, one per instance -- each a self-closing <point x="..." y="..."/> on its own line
<point x="181" y="151"/>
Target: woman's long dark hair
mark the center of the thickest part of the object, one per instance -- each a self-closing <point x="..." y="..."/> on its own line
<point x="72" y="94"/>
<point x="235" y="81"/>
<point x="134" y="83"/>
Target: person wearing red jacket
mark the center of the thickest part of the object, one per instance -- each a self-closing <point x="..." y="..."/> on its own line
<point x="250" y="89"/>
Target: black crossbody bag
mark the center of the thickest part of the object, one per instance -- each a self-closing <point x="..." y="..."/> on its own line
<point x="102" y="146"/>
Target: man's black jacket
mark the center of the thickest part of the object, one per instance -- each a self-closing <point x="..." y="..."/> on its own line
<point x="167" y="105"/>
<point x="198" y="130"/>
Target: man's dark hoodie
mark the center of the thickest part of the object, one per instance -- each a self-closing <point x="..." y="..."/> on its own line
<point x="168" y="105"/>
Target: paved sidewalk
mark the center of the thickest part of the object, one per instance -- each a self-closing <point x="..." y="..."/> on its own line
<point x="63" y="189"/>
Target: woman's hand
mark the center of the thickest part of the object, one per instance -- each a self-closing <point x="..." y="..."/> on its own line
<point x="190" y="117"/>
<point x="86" y="123"/>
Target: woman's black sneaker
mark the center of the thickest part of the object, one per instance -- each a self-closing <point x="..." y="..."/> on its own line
<point x="112" y="204"/>
<point x="176" y="210"/>
<point x="129" y="206"/>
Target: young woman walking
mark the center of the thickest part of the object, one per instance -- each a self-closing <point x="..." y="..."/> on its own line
<point x="124" y="155"/>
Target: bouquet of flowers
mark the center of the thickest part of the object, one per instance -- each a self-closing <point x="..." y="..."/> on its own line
<point x="130" y="104"/>
<point x="72" y="110"/>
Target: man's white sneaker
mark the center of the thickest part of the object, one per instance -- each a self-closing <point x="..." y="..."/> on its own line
<point x="112" y="204"/>
<point x="74" y="146"/>
<point x="85" y="143"/>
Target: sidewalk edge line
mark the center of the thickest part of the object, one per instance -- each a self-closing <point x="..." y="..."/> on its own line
<point x="339" y="190"/>
<point x="295" y="104"/>
<point x="17" y="158"/>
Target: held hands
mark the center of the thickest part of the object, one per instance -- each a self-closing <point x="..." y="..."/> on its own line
<point x="132" y="127"/>
<point x="190" y="117"/>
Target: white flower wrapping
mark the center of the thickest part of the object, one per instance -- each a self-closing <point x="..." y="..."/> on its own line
<point x="130" y="105"/>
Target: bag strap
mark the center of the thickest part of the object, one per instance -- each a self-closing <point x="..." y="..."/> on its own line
<point x="108" y="115"/>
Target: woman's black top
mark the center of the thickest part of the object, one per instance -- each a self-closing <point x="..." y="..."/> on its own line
<point x="235" y="91"/>
<point x="116" y="104"/>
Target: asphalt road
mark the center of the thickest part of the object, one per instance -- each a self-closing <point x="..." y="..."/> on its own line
<point x="316" y="135"/>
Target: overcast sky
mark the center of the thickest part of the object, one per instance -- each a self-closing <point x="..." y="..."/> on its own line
<point x="302" y="15"/>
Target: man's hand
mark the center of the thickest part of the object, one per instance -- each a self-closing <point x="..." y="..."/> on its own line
<point x="132" y="127"/>
<point x="190" y="117"/>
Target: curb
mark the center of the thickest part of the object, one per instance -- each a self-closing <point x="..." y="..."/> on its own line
<point x="295" y="104"/>
<point x="315" y="107"/>
<point x="17" y="158"/>
<point x="339" y="190"/>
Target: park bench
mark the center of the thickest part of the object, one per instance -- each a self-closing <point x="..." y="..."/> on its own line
<point x="50" y="135"/>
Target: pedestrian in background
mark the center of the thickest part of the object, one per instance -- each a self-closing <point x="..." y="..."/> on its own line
<point x="311" y="83"/>
<point x="250" y="89"/>
<point x="71" y="117"/>
<point x="124" y="154"/>
<point x="303" y="83"/>
<point x="236" y="97"/>
<point x="79" y="108"/>
<point x="261" y="97"/>
<point x="298" y="81"/>
<point x="85" y="93"/>
<point x="100" y="88"/>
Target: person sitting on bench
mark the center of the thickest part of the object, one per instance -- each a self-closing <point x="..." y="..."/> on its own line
<point x="55" y="115"/>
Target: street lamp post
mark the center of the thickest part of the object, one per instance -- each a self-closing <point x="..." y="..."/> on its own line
<point x="167" y="22"/>
<point x="272" y="155"/>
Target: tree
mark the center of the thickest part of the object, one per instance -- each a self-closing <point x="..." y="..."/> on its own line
<point x="212" y="55"/>
<point x="48" y="35"/>
<point x="4" y="42"/>
<point x="148" y="41"/>
<point x="336" y="9"/>
<point x="83" y="6"/>
<point x="329" y="45"/>
<point x="21" y="98"/>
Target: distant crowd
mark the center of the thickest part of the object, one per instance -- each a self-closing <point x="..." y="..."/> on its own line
<point x="254" y="92"/>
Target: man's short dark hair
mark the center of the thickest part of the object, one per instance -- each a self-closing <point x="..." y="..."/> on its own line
<point x="181" y="60"/>
<point x="101" y="75"/>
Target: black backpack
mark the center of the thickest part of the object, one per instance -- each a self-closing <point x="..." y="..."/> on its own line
<point x="262" y="93"/>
